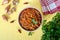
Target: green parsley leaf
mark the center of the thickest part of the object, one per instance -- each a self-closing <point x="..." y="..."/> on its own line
<point x="34" y="21"/>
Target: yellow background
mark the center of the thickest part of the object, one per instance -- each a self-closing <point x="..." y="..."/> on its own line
<point x="9" y="31"/>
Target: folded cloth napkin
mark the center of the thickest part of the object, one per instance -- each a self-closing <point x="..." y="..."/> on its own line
<point x="50" y="6"/>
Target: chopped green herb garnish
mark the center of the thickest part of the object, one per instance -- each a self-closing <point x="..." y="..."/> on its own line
<point x="51" y="29"/>
<point x="34" y="21"/>
<point x="30" y="33"/>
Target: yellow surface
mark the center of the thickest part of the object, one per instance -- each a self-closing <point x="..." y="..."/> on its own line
<point x="9" y="31"/>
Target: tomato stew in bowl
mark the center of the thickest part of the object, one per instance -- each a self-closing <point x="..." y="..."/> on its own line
<point x="30" y="19"/>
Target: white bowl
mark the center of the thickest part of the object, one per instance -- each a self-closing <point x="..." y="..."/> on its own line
<point x="34" y="8"/>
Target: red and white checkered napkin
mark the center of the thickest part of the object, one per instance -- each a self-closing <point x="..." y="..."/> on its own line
<point x="50" y="6"/>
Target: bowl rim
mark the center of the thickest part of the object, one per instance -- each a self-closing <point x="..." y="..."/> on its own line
<point x="27" y="8"/>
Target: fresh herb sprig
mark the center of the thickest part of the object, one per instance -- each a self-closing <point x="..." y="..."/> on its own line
<point x="30" y="33"/>
<point x="51" y="29"/>
<point x="34" y="21"/>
